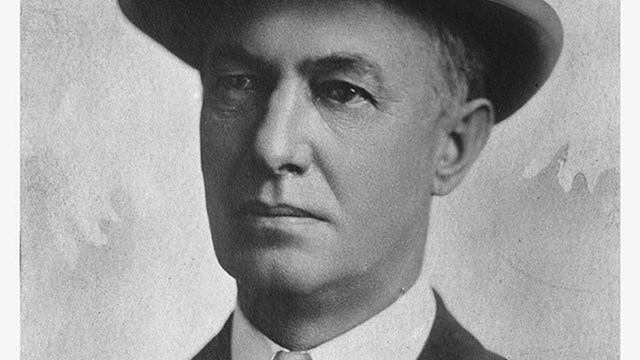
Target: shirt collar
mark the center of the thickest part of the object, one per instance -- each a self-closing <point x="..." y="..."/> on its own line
<point x="398" y="332"/>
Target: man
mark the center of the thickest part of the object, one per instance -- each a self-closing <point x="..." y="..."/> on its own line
<point x="326" y="129"/>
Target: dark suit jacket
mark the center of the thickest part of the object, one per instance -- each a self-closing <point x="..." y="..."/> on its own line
<point x="448" y="340"/>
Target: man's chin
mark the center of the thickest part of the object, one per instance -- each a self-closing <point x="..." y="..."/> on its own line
<point x="283" y="271"/>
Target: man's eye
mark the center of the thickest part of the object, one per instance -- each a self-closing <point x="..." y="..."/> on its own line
<point x="236" y="82"/>
<point x="232" y="93"/>
<point x="342" y="92"/>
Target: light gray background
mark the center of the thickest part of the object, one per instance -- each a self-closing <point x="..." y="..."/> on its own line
<point x="116" y="260"/>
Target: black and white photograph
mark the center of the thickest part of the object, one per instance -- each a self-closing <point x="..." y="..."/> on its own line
<point x="319" y="180"/>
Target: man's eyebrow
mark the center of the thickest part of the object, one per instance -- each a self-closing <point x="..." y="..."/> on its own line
<point x="226" y="52"/>
<point x="339" y="62"/>
<point x="348" y="63"/>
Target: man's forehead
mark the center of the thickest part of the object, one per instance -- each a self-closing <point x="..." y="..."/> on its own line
<point x="230" y="19"/>
<point x="347" y="33"/>
<point x="363" y="40"/>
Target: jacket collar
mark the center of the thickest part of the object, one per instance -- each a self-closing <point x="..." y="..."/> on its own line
<point x="448" y="340"/>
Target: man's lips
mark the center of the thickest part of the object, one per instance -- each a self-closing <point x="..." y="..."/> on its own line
<point x="257" y="209"/>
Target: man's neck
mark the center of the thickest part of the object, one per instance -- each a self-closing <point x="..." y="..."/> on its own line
<point x="303" y="321"/>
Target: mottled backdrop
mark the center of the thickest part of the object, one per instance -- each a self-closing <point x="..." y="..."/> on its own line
<point x="116" y="260"/>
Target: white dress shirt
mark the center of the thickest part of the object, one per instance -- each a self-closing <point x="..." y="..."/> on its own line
<point x="398" y="332"/>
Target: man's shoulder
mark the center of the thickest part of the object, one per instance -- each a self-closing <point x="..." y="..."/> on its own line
<point x="448" y="340"/>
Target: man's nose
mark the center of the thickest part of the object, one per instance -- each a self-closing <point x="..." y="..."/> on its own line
<point x="281" y="141"/>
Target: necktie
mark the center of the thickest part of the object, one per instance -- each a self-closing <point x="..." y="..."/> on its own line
<point x="293" y="355"/>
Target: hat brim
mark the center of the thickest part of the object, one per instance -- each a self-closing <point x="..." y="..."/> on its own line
<point x="523" y="39"/>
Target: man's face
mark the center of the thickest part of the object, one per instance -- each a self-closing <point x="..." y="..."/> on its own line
<point x="318" y="134"/>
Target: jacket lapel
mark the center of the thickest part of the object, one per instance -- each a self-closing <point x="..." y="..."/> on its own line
<point x="448" y="340"/>
<point x="219" y="348"/>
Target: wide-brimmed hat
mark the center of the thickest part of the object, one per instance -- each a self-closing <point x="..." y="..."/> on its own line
<point x="522" y="38"/>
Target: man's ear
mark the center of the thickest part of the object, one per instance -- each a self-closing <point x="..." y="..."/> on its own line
<point x="463" y="135"/>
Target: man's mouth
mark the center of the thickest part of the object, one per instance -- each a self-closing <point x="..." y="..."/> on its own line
<point x="261" y="210"/>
